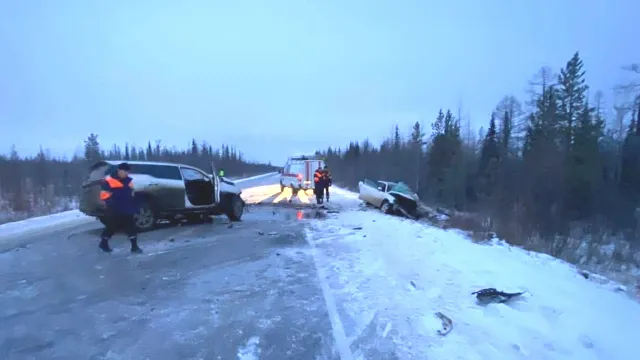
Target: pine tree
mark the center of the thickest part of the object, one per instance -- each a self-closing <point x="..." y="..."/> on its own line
<point x="92" y="151"/>
<point x="149" y="154"/>
<point x="416" y="143"/>
<point x="572" y="92"/>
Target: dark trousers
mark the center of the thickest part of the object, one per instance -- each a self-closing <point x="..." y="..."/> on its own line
<point x="326" y="192"/>
<point x="318" y="191"/>
<point x="123" y="223"/>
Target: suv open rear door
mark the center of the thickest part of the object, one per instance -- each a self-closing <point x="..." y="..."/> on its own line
<point x="216" y="183"/>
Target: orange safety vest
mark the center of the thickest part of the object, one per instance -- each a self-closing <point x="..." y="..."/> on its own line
<point x="111" y="184"/>
<point x="317" y="176"/>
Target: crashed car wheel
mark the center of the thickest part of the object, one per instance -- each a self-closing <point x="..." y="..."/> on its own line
<point x="235" y="208"/>
<point x="386" y="207"/>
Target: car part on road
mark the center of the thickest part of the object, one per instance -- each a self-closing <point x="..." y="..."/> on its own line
<point x="447" y="323"/>
<point x="491" y="295"/>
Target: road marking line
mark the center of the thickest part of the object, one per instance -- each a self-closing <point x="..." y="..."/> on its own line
<point x="337" y="327"/>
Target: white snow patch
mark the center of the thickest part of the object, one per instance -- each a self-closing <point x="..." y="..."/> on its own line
<point x="346" y="199"/>
<point x="250" y="350"/>
<point x="404" y="272"/>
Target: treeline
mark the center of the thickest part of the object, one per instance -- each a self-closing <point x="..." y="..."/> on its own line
<point x="540" y="169"/>
<point x="42" y="184"/>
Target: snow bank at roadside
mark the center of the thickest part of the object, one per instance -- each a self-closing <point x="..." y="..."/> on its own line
<point x="391" y="275"/>
<point x="43" y="223"/>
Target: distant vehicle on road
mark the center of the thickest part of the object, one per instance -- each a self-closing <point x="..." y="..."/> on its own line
<point x="166" y="191"/>
<point x="298" y="173"/>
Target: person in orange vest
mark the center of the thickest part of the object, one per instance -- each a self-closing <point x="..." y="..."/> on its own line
<point x="318" y="182"/>
<point x="117" y="194"/>
<point x="327" y="181"/>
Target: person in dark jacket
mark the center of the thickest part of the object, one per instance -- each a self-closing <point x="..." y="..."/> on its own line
<point x="327" y="181"/>
<point x="117" y="193"/>
<point x="318" y="182"/>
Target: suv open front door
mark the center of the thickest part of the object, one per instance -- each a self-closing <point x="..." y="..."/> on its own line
<point x="216" y="183"/>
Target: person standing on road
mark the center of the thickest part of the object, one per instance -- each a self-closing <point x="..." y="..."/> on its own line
<point x="318" y="182"/>
<point x="117" y="193"/>
<point x="327" y="181"/>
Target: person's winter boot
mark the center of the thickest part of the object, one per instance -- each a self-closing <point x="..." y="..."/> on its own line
<point x="134" y="245"/>
<point x="104" y="245"/>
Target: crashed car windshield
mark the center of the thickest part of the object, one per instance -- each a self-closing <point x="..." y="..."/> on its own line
<point x="402" y="188"/>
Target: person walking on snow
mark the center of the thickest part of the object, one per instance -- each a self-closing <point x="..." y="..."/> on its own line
<point x="117" y="193"/>
<point x="318" y="182"/>
<point x="327" y="181"/>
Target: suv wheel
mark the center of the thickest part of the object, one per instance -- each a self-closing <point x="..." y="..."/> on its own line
<point x="235" y="208"/>
<point x="145" y="218"/>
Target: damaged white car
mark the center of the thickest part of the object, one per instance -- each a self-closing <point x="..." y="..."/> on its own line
<point x="390" y="197"/>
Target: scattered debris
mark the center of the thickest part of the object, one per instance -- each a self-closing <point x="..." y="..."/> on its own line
<point x="491" y="295"/>
<point x="357" y="228"/>
<point x="602" y="280"/>
<point x="413" y="284"/>
<point x="598" y="279"/>
<point x="260" y="233"/>
<point x="272" y="233"/>
<point x="172" y="240"/>
<point x="447" y="324"/>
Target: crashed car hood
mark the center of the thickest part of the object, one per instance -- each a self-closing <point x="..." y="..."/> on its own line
<point x="404" y="191"/>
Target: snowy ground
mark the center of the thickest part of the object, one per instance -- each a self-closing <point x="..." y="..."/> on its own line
<point x="388" y="276"/>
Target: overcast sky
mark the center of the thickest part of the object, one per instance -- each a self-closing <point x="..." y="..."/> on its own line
<point x="282" y="76"/>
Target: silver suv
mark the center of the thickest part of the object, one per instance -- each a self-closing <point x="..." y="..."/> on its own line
<point x="166" y="191"/>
